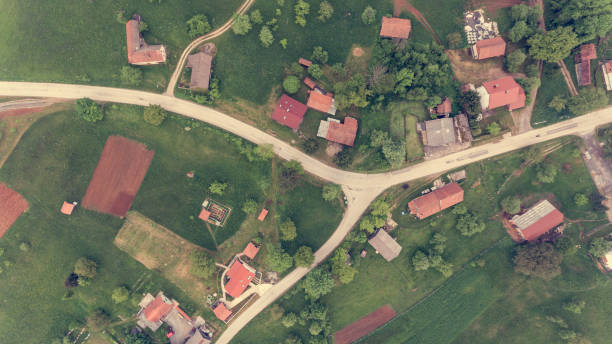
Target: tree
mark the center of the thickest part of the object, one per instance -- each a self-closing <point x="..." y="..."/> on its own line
<point x="433" y="101"/>
<point x="317" y="283"/>
<point x="315" y="71"/>
<point x="120" y="295"/>
<point x="340" y="268"/>
<point x="352" y="92"/>
<point x="539" y="260"/>
<point x="303" y="257"/>
<point x="277" y="259"/>
<point x="249" y="207"/>
<point x="438" y="243"/>
<point x="455" y="40"/>
<point x="310" y="145"/>
<point x="131" y="76"/>
<point x="256" y="17"/>
<point x="519" y="31"/>
<point x="514" y="60"/>
<point x="85" y="267"/>
<point x="89" y="110"/>
<point x="554" y="45"/>
<point x="241" y="25"/>
<point x="202" y="265"/>
<point x="599" y="247"/>
<point x="155" y="114"/>
<point x="589" y="99"/>
<point x="380" y="207"/>
<point x="98" y="319"/>
<point x="344" y="158"/>
<point x="217" y="188"/>
<point x="445" y="268"/>
<point x="581" y="199"/>
<point x="395" y="152"/>
<point x="331" y="192"/>
<point x="265" y="36"/>
<point x="315" y="328"/>
<point x="291" y="84"/>
<point x="288" y="231"/>
<point x="493" y="128"/>
<point x="574" y="306"/>
<point x="198" y="25"/>
<point x="511" y="205"/>
<point x="289" y="319"/>
<point x="368" y="16"/>
<point x="283" y="42"/>
<point x="469" y="225"/>
<point x="470" y="103"/>
<point x="264" y="152"/>
<point x="325" y="11"/>
<point x="371" y="222"/>
<point x="558" y="103"/>
<point x="546" y="173"/>
<point x="420" y="261"/>
<point x="302" y="8"/>
<point x="319" y="55"/>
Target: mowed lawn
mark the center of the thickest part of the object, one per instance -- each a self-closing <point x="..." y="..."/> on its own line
<point x="249" y="71"/>
<point x="81" y="41"/>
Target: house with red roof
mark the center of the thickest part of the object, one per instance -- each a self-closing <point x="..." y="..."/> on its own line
<point x="154" y="310"/>
<point x="436" y="201"/>
<point x="139" y="52"/>
<point x="583" y="57"/>
<point x="239" y="276"/>
<point x="606" y="72"/>
<point x="334" y="131"/>
<point x="251" y="250"/>
<point x="321" y="102"/>
<point x="501" y="92"/>
<point x="395" y="28"/>
<point x="537" y="220"/>
<point x="487" y="48"/>
<point x="222" y="312"/>
<point x="289" y="112"/>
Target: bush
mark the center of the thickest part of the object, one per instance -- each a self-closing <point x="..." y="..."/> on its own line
<point x="574" y="306"/>
<point x="325" y="11"/>
<point x="198" y="25"/>
<point x="155" y="115"/>
<point x="217" y="188"/>
<point x="89" y="110"/>
<point x="546" y="173"/>
<point x="315" y="71"/>
<point x="202" y="265"/>
<point x="256" y="17"/>
<point x="291" y="84"/>
<point x="368" y="16"/>
<point x="85" y="267"/>
<point x="511" y="205"/>
<point x="242" y="25"/>
<point x="25" y="246"/>
<point x="265" y="36"/>
<point x="131" y="76"/>
<point x="249" y="207"/>
<point x="303" y="257"/>
<point x="310" y="145"/>
<point x="331" y="192"/>
<point x="288" y="231"/>
<point x="120" y="295"/>
<point x="289" y="319"/>
<point x="469" y="225"/>
<point x="344" y="158"/>
<point x="302" y="8"/>
<point x="540" y="260"/>
<point x="493" y="128"/>
<point x="581" y="199"/>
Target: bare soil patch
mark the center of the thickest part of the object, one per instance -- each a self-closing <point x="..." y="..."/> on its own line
<point x="468" y="70"/>
<point x="160" y="249"/>
<point x="117" y="178"/>
<point x="20" y="112"/>
<point x="365" y="325"/>
<point x="12" y="205"/>
<point x="357" y="51"/>
<point x="332" y="149"/>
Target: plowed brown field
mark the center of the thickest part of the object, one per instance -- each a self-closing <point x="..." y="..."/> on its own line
<point x="12" y="205"/>
<point x="365" y="325"/>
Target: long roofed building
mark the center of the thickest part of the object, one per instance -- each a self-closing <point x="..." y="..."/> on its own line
<point x="537" y="220"/>
<point x="385" y="245"/>
<point x="139" y="52"/>
<point x="436" y="201"/>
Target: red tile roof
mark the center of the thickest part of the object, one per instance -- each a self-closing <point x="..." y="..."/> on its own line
<point x="586" y="53"/>
<point x="67" y="208"/>
<point x="583" y="73"/>
<point x="204" y="214"/>
<point x="548" y="222"/>
<point x="320" y="102"/>
<point x="157" y="309"/>
<point x="137" y="49"/>
<point x="343" y="133"/>
<point x="491" y="47"/>
<point x="289" y="112"/>
<point x="436" y="201"/>
<point x="250" y="250"/>
<point x="262" y="215"/>
<point x="444" y="107"/>
<point x="608" y="66"/>
<point x="505" y="92"/>
<point x="221" y="312"/>
<point x="395" y="28"/>
<point x="304" y="62"/>
<point x="239" y="278"/>
<point x="310" y="83"/>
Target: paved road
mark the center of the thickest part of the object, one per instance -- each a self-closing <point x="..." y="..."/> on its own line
<point x="360" y="188"/>
<point x="195" y="43"/>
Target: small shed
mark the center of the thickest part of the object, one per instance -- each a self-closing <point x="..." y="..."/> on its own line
<point x="222" y="312"/>
<point x="263" y="214"/>
<point x="250" y="250"/>
<point x="310" y="83"/>
<point x="306" y="63"/>
<point x="204" y="215"/>
<point x="68" y="208"/>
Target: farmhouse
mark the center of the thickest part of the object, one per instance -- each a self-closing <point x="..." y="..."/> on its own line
<point x="239" y="277"/>
<point x="501" y="92"/>
<point x="222" y="312"/>
<point x="250" y="250"/>
<point x="443" y="108"/>
<point x="606" y="71"/>
<point x="537" y="220"/>
<point x="200" y="64"/>
<point x="322" y="102"/>
<point x="289" y="112"/>
<point x="334" y="131"/>
<point x="436" y="201"/>
<point x="583" y="58"/>
<point x="385" y="245"/>
<point x="487" y="48"/>
<point x="445" y="135"/>
<point x="395" y="28"/>
<point x="139" y="52"/>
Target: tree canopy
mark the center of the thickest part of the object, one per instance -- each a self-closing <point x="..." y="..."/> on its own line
<point x="589" y="99"/>
<point x="368" y="16"/>
<point x="554" y="45"/>
<point x="120" y="295"/>
<point x="331" y="192"/>
<point x="198" y="25"/>
<point x="155" y="114"/>
<point x="317" y="283"/>
<point x="589" y="18"/>
<point x="303" y="256"/>
<point x="599" y="247"/>
<point x="265" y="36"/>
<point x="89" y="110"/>
<point x="511" y="205"/>
<point x="288" y="230"/>
<point x="469" y="225"/>
<point x="340" y="268"/>
<point x="277" y="259"/>
<point x="326" y="10"/>
<point x="85" y="267"/>
<point x="242" y="25"/>
<point x="540" y="260"/>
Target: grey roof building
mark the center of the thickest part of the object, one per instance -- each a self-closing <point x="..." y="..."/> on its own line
<point x="385" y="245"/>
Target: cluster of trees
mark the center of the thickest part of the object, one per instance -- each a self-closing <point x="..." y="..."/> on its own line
<point x="539" y="260"/>
<point x="433" y="258"/>
<point x="244" y="23"/>
<point x="468" y="224"/>
<point x="314" y="317"/>
<point x="302" y="9"/>
<point x="524" y="21"/>
<point x="587" y="100"/>
<point x="377" y="216"/>
<point x="393" y="150"/>
<point x="89" y="110"/>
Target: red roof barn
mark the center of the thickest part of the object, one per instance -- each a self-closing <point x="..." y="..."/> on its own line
<point x="240" y="275"/>
<point x="488" y="48"/>
<point x="139" y="52"/>
<point x="538" y="220"/>
<point x="395" y="28"/>
<point x="502" y="92"/>
<point x="436" y="201"/>
<point x="289" y="112"/>
<point x="67" y="208"/>
<point x="204" y="215"/>
<point x="343" y="133"/>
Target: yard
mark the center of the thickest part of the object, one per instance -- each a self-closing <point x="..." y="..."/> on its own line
<point x="552" y="84"/>
<point x="82" y="42"/>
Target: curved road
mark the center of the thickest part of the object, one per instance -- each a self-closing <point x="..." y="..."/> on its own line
<point x="360" y="188"/>
<point x="218" y="32"/>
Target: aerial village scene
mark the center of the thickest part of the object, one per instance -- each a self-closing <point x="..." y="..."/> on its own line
<point x="306" y="171"/>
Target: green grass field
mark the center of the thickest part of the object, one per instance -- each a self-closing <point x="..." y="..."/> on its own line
<point x="82" y="42"/>
<point x="444" y="21"/>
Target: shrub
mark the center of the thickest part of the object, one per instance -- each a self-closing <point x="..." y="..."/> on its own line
<point x="315" y="71"/>
<point x="325" y="11"/>
<point x="331" y="192"/>
<point x="574" y="306"/>
<point x="242" y="25"/>
<point x="85" y="267"/>
<point x="302" y="8"/>
<point x="303" y="256"/>
<point x="546" y="173"/>
<point x="131" y="76"/>
<point x="288" y="231"/>
<point x="265" y="36"/>
<point x="599" y="247"/>
<point x="289" y="319"/>
<point x="256" y="17"/>
<point x="310" y="145"/>
<point x="319" y="55"/>
<point x="368" y="16"/>
<point x="155" y="115"/>
<point x="511" y="205"/>
<point x="291" y="84"/>
<point x="469" y="225"/>
<point x="249" y="207"/>
<point x="493" y="128"/>
<point x="120" y="295"/>
<point x="581" y="199"/>
<point x="198" y="25"/>
<point x="217" y="188"/>
<point x="89" y="110"/>
<point x="455" y="40"/>
<point x="344" y="158"/>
